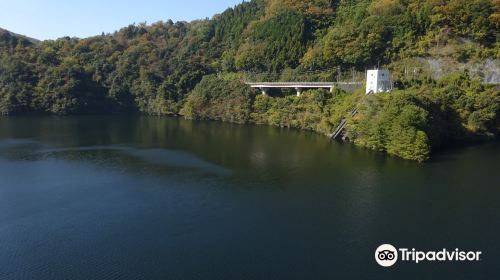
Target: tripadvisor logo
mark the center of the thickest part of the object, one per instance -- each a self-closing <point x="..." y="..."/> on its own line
<point x="387" y="255"/>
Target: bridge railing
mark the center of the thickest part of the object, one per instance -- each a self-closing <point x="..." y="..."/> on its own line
<point x="300" y="83"/>
<point x="331" y="75"/>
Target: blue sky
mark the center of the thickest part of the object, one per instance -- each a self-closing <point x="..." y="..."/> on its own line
<point x="51" y="19"/>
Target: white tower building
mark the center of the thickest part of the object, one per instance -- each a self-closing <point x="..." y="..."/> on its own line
<point x="378" y="81"/>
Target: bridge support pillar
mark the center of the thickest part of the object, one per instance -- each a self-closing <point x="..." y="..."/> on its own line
<point x="331" y="89"/>
<point x="299" y="91"/>
<point x="264" y="91"/>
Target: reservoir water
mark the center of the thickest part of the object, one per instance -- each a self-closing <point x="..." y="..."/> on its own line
<point x="107" y="197"/>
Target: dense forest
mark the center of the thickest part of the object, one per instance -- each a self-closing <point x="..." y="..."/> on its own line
<point x="195" y="69"/>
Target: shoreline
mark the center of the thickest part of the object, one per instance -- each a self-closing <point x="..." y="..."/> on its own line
<point x="442" y="150"/>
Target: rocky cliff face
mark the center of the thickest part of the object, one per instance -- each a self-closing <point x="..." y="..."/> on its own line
<point x="488" y="70"/>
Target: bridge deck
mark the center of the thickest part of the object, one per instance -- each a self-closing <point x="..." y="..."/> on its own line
<point x="299" y="86"/>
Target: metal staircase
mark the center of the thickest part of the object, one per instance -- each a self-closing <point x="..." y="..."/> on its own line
<point x="336" y="133"/>
<point x="343" y="124"/>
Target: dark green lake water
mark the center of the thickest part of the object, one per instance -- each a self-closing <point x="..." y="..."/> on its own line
<point x="160" y="198"/>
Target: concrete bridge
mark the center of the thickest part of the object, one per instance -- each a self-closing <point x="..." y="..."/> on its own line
<point x="300" y="86"/>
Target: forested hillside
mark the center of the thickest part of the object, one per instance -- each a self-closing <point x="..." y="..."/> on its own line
<point x="22" y="37"/>
<point x="157" y="69"/>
